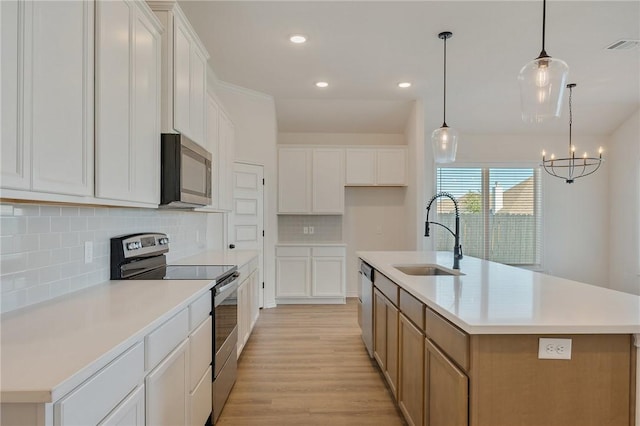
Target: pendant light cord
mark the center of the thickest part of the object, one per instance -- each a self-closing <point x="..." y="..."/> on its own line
<point x="543" y="53"/>
<point x="444" y="102"/>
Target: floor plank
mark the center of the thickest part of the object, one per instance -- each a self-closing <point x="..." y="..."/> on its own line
<point x="306" y="365"/>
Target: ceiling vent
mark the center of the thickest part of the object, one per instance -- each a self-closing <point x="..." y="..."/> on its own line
<point x="624" y="45"/>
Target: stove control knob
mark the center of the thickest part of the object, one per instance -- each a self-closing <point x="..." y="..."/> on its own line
<point x="133" y="246"/>
<point x="164" y="241"/>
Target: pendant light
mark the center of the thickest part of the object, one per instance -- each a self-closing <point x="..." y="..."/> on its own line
<point x="571" y="168"/>
<point x="542" y="83"/>
<point x="444" y="139"/>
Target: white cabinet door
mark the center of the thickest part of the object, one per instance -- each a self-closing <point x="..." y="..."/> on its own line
<point x="213" y="146"/>
<point x="127" y="102"/>
<point x="47" y="96"/>
<point x="360" y="167"/>
<point x="226" y="152"/>
<point x="130" y="412"/>
<point x="392" y="166"/>
<point x="292" y="276"/>
<point x="167" y="393"/>
<point x="181" y="78"/>
<point x="15" y="163"/>
<point x="198" y="95"/>
<point x="58" y="81"/>
<point x="328" y="181"/>
<point x="328" y="277"/>
<point x="294" y="180"/>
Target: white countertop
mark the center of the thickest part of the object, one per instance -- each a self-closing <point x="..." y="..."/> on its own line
<point x="48" y="349"/>
<point x="492" y="298"/>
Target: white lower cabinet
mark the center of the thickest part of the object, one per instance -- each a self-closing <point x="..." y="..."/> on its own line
<point x="166" y="395"/>
<point x="130" y="412"/>
<point x="310" y="274"/>
<point x="90" y="402"/>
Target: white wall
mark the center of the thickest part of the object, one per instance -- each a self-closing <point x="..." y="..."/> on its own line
<point x="624" y="202"/>
<point x="418" y="174"/>
<point x="575" y="216"/>
<point x="254" y="117"/>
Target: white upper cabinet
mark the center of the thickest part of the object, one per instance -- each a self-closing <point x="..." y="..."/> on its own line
<point x="310" y="180"/>
<point x="376" y="166"/>
<point x="127" y="102"/>
<point x="184" y="76"/>
<point x="47" y="96"/>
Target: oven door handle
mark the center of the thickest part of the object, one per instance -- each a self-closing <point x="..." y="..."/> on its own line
<point x="225" y="287"/>
<point x="231" y="281"/>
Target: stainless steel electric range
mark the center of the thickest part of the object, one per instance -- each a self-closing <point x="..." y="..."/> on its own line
<point x="142" y="257"/>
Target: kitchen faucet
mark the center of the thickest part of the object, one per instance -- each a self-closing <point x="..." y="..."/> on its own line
<point x="457" y="248"/>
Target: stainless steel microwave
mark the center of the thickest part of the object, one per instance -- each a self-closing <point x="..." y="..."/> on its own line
<point x="185" y="173"/>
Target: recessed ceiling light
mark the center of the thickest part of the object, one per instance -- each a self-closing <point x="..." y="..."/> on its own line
<point x="322" y="84"/>
<point x="404" y="85"/>
<point x="298" y="39"/>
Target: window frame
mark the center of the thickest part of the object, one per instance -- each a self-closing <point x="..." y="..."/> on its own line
<point x="539" y="267"/>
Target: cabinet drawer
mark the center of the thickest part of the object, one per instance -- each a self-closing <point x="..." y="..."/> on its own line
<point x="199" y="310"/>
<point x="200" y="400"/>
<point x="160" y="342"/>
<point x="453" y="341"/>
<point x="244" y="272"/>
<point x="328" y="251"/>
<point x="412" y="308"/>
<point x="90" y="402"/>
<point x="387" y="287"/>
<point x="293" y="251"/>
<point x="200" y="352"/>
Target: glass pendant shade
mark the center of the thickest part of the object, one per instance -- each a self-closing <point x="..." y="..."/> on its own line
<point x="445" y="144"/>
<point x="542" y="83"/>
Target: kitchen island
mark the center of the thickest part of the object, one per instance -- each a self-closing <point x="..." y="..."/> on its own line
<point x="467" y="348"/>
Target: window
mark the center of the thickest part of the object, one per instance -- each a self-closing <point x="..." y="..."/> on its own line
<point x="499" y="213"/>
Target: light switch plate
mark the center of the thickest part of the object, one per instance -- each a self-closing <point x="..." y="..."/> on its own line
<point x="554" y="348"/>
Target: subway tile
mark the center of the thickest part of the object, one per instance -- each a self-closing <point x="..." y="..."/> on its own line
<point x="11" y="263"/>
<point x="26" y="242"/>
<point x="13" y="300"/>
<point x="7" y="245"/>
<point x="13" y="225"/>
<point x="59" y="256"/>
<point x="38" y="225"/>
<point x="50" y="211"/>
<point x="78" y="282"/>
<point x="7" y="283"/>
<point x="49" y="274"/>
<point x="68" y="270"/>
<point x="38" y="293"/>
<point x="39" y="259"/>
<point x="69" y="239"/>
<point x="94" y="223"/>
<point x="26" y="210"/>
<point x="59" y="224"/>
<point x="26" y="279"/>
<point x="76" y="253"/>
<point x="50" y="241"/>
<point x="70" y="211"/>
<point x="86" y="211"/>
<point x="78" y="223"/>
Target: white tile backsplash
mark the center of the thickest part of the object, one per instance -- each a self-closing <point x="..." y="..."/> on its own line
<point x="42" y="246"/>
<point x="327" y="228"/>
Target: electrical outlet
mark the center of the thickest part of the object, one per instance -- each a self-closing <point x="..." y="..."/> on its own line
<point x="305" y="230"/>
<point x="88" y="251"/>
<point x="554" y="348"/>
<point x="311" y="230"/>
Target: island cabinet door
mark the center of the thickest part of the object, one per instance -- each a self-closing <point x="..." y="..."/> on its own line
<point x="446" y="390"/>
<point x="385" y="340"/>
<point x="411" y="380"/>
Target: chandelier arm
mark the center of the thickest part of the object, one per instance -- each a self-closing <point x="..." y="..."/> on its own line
<point x="593" y="171"/>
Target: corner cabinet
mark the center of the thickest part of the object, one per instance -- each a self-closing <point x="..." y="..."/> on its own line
<point x="310" y="180"/>
<point x="127" y="102"/>
<point x="184" y="74"/>
<point x="310" y="274"/>
<point x="47" y="96"/>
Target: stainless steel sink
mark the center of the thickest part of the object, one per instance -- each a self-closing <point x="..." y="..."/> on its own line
<point x="425" y="270"/>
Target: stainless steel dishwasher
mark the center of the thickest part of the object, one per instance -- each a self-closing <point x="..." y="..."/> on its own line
<point x="365" y="311"/>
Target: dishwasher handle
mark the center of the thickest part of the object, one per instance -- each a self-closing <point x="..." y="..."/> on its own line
<point x="366" y="270"/>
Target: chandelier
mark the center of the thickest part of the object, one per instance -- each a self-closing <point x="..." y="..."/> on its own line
<point x="572" y="167"/>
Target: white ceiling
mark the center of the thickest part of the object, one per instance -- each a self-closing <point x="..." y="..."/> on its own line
<point x="363" y="49"/>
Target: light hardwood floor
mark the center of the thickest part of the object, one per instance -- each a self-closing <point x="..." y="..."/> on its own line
<point x="306" y="365"/>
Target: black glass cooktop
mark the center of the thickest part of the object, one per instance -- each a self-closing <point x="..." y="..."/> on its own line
<point x="187" y="272"/>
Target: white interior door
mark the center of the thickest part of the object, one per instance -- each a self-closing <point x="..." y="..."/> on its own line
<point x="246" y="226"/>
